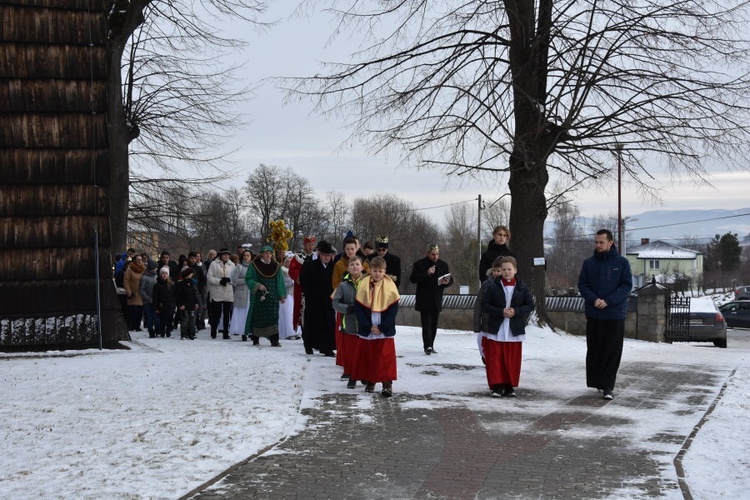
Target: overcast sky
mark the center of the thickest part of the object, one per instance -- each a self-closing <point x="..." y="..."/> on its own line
<point x="294" y="136"/>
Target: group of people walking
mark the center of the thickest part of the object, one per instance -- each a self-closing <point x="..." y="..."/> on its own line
<point x="345" y="306"/>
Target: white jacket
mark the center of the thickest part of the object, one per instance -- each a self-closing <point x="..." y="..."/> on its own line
<point x="216" y="272"/>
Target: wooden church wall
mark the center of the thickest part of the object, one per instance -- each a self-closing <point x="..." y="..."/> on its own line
<point x="54" y="180"/>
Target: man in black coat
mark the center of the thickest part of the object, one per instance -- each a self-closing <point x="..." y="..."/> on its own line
<point x="431" y="276"/>
<point x="318" y="326"/>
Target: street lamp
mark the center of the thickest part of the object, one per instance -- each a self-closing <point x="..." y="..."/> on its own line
<point x="618" y="149"/>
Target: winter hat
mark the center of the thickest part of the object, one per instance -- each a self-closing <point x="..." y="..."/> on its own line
<point x="151" y="266"/>
<point x="164" y="269"/>
<point x="224" y="251"/>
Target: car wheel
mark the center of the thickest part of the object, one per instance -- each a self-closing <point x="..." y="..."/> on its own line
<point x="721" y="343"/>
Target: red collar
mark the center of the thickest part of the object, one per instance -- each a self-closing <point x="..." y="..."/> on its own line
<point x="510" y="282"/>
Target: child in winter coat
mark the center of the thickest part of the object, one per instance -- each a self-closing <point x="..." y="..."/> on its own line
<point x="164" y="302"/>
<point x="376" y="308"/>
<point x="188" y="301"/>
<point x="507" y="303"/>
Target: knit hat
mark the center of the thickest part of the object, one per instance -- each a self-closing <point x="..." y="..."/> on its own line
<point x="164" y="269"/>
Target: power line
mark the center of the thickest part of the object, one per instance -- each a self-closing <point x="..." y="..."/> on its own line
<point x="689" y="222"/>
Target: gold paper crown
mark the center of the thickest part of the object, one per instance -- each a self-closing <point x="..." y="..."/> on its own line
<point x="381" y="239"/>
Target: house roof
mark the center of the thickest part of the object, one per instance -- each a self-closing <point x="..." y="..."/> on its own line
<point x="662" y="250"/>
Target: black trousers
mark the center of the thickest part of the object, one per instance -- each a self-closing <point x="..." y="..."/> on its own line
<point x="604" y="339"/>
<point x="429" y="321"/>
<point x="215" y="310"/>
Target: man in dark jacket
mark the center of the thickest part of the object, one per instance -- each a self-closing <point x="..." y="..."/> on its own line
<point x="318" y="327"/>
<point x="605" y="283"/>
<point x="431" y="276"/>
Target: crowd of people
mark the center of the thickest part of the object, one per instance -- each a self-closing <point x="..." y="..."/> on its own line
<point x="344" y="305"/>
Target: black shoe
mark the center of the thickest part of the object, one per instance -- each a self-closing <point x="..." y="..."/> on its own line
<point x="509" y="393"/>
<point x="275" y="345"/>
<point x="152" y="335"/>
<point x="496" y="394"/>
<point x="329" y="354"/>
<point x="308" y="350"/>
<point x="345" y="376"/>
<point x="370" y="387"/>
<point x="608" y="395"/>
<point x="213" y="334"/>
<point x="386" y="393"/>
<point x="352" y="384"/>
<point x="428" y="351"/>
<point x="256" y="341"/>
<point x="225" y="336"/>
<point x="244" y="338"/>
<point x="168" y="335"/>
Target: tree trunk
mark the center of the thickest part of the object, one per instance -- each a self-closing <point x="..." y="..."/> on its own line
<point x="117" y="136"/>
<point x="532" y="143"/>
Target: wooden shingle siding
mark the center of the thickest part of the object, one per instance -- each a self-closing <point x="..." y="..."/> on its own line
<point x="54" y="178"/>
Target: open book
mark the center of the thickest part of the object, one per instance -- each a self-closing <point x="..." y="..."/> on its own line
<point x="446" y="276"/>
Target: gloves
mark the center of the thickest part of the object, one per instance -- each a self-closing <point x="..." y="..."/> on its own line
<point x="224" y="281"/>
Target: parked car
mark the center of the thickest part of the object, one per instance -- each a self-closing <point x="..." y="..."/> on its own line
<point x="736" y="313"/>
<point x="706" y="323"/>
<point x="742" y="292"/>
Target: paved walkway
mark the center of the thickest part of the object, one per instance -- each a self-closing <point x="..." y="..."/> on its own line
<point x="407" y="448"/>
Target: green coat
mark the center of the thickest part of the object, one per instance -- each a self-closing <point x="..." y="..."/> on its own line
<point x="263" y="314"/>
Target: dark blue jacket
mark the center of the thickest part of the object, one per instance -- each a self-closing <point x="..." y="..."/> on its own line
<point x="606" y="276"/>
<point x="493" y="303"/>
<point x="387" y="320"/>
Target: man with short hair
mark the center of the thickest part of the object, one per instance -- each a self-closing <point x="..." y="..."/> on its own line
<point x="605" y="283"/>
<point x="220" y="293"/>
<point x="431" y="276"/>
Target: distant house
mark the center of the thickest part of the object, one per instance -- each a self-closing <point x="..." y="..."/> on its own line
<point x="664" y="261"/>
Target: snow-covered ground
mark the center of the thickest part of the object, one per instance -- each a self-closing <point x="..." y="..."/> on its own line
<point x="167" y="415"/>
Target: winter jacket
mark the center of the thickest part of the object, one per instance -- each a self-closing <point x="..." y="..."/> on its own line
<point x="241" y="293"/>
<point x="488" y="257"/>
<point x="493" y="303"/>
<point x="606" y="275"/>
<point x="186" y="294"/>
<point x="218" y="271"/>
<point x="429" y="295"/>
<point x="132" y="283"/>
<point x="343" y="302"/>
<point x="164" y="294"/>
<point x="148" y="280"/>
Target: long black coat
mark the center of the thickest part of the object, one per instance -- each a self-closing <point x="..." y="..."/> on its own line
<point x="319" y="317"/>
<point x="429" y="295"/>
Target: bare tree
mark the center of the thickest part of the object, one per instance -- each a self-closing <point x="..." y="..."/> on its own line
<point x="173" y="95"/>
<point x="275" y="193"/>
<point x="569" y="247"/>
<point x="460" y="250"/>
<point x="528" y="90"/>
<point x="409" y="231"/>
<point x="338" y="210"/>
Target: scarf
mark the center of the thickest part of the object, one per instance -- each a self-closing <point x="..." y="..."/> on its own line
<point x="137" y="268"/>
<point x="377" y="296"/>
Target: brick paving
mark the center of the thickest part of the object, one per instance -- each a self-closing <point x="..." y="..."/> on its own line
<point x="416" y="447"/>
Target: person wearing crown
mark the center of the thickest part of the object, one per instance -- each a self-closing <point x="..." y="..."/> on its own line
<point x="392" y="261"/>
